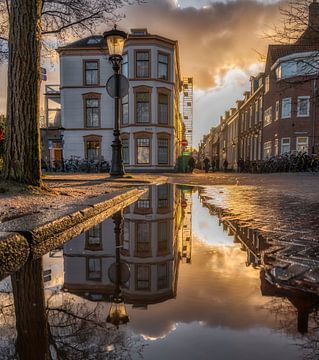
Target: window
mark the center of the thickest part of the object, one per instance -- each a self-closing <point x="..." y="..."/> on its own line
<point x="91" y="72"/>
<point x="256" y="112"/>
<point x="143" y="277"/>
<point x="277" y="110"/>
<point x="126" y="151"/>
<point x="125" y="118"/>
<point x="250" y="116"/>
<point x="143" y="237"/>
<point x="285" y="145"/>
<point x="162" y="151"/>
<point x="94" y="269"/>
<point x="54" y="112"/>
<point x="143" y="108"/>
<point x="144" y="202"/>
<point x="286" y="108"/>
<point x="162" y="276"/>
<point x="126" y="237"/>
<point x="93" y="150"/>
<point x="163" y="66"/>
<point x="162" y="245"/>
<point x="267" y="84"/>
<point x="267" y="150"/>
<point x="302" y="144"/>
<point x="142" y="59"/>
<point x="125" y="65"/>
<point x="94" y="238"/>
<point x="268" y="116"/>
<point x="260" y="109"/>
<point x="92" y="113"/>
<point x="162" y="108"/>
<point x="303" y="106"/>
<point x="162" y="196"/>
<point x="143" y="151"/>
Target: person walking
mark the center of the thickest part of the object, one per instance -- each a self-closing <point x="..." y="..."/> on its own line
<point x="206" y="165"/>
<point x="225" y="165"/>
<point x="191" y="164"/>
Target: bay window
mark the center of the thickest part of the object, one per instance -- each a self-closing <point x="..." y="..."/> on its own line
<point x="143" y="150"/>
<point x="163" y="152"/>
<point x="163" y="66"/>
<point x="142" y="64"/>
<point x="163" y="108"/>
<point x="143" y="107"/>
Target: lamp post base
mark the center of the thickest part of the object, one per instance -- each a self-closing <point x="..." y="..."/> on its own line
<point x="117" y="168"/>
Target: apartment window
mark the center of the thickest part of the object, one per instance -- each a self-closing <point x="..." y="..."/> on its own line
<point x="267" y="150"/>
<point x="303" y="106"/>
<point x="126" y="237"/>
<point x="163" y="151"/>
<point x="125" y="65"/>
<point x="277" y="110"/>
<point x="92" y="113"/>
<point x="143" y="150"/>
<point x="91" y="72"/>
<point x="144" y="202"/>
<point x="162" y="243"/>
<point x="286" y="108"/>
<point x="162" y="196"/>
<point x="143" y="107"/>
<point x="125" y="118"/>
<point x="163" y="66"/>
<point x="143" y="277"/>
<point x="94" y="269"/>
<point x="126" y="151"/>
<point x="302" y="144"/>
<point x="143" y="237"/>
<point x="93" y="149"/>
<point x="54" y="112"/>
<point x="267" y="84"/>
<point x="94" y="238"/>
<point x="268" y="116"/>
<point x="163" y="108"/>
<point x="142" y="59"/>
<point x="285" y="145"/>
<point x="162" y="276"/>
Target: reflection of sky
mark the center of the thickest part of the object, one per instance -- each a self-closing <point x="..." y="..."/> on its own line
<point x="221" y="344"/>
<point x="206" y="227"/>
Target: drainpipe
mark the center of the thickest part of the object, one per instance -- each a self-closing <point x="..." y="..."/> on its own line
<point x="314" y="103"/>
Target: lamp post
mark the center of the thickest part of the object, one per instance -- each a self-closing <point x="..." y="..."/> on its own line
<point x="115" y="40"/>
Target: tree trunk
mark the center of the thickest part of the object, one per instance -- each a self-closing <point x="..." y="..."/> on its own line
<point x="31" y="319"/>
<point x="22" y="154"/>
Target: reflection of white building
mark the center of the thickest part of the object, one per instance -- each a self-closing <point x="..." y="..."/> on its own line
<point x="149" y="247"/>
<point x="185" y="232"/>
<point x="80" y="109"/>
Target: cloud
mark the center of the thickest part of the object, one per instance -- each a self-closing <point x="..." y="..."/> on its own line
<point x="214" y="38"/>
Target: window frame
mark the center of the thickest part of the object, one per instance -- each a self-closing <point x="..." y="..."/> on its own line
<point x="92" y="138"/>
<point x="85" y="61"/>
<point x="168" y="65"/>
<point x="86" y="97"/>
<point x="143" y="90"/>
<point x="166" y="137"/>
<point x="128" y="110"/>
<point x="282" y="144"/>
<point x="136" y="51"/>
<point x="143" y="135"/>
<point x="268" y="113"/>
<point x="308" y="108"/>
<point x="282" y="108"/>
<point x="165" y="92"/>
<point x="297" y="143"/>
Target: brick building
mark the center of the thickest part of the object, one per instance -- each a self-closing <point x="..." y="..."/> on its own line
<point x="280" y="113"/>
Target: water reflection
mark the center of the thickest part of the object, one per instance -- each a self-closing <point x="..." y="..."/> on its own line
<point x="187" y="281"/>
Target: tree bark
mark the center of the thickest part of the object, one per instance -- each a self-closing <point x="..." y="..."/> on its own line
<point x="22" y="154"/>
<point x="31" y="320"/>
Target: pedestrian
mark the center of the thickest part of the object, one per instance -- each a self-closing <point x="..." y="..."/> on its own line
<point x="213" y="165"/>
<point x="225" y="165"/>
<point x="206" y="165"/>
<point x="191" y="164"/>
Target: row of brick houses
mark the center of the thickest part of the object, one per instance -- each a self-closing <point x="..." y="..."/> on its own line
<point x="280" y="113"/>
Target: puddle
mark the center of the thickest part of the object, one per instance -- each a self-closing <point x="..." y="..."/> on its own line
<point x="193" y="284"/>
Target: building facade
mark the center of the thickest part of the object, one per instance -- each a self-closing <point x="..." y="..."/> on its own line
<point x="150" y="119"/>
<point x="280" y="113"/>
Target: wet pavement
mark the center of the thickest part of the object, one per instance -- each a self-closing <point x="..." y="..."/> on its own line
<point x="175" y="275"/>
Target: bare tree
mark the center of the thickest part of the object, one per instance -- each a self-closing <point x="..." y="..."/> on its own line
<point x="24" y="26"/>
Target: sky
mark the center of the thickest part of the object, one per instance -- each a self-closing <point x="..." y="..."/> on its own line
<point x="220" y="43"/>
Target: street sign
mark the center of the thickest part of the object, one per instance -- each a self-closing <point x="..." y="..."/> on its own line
<point x="184" y="142"/>
<point x="124" y="86"/>
<point x="124" y="274"/>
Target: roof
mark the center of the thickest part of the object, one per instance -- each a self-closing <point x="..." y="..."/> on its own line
<point x="276" y="52"/>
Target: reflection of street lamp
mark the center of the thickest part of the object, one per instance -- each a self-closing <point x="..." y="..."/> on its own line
<point x="62" y="143"/>
<point x="115" y="40"/>
<point x="118" y="274"/>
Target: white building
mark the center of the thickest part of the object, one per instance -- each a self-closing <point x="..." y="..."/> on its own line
<point x="150" y="113"/>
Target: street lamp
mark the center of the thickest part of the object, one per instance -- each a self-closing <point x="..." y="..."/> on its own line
<point x="115" y="40"/>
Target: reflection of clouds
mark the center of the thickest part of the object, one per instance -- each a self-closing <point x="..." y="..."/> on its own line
<point x="217" y="289"/>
